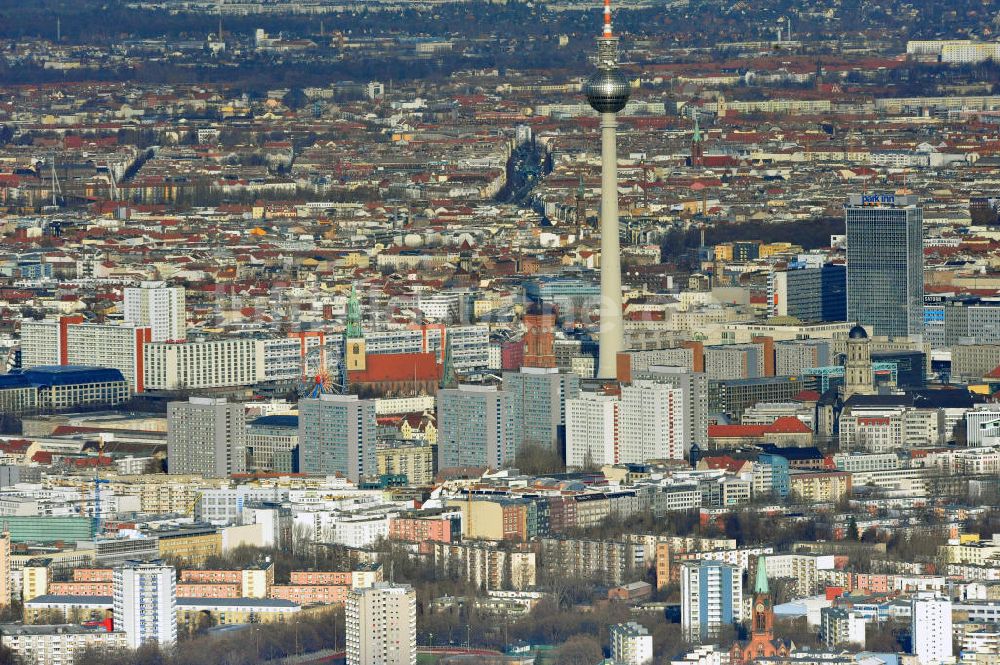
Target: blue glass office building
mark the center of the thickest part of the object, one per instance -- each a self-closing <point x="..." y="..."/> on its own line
<point x="885" y="263"/>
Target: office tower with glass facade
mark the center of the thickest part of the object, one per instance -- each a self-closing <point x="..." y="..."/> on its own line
<point x="885" y="263"/>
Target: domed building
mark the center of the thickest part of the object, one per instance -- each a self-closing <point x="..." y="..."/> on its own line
<point x="858" y="378"/>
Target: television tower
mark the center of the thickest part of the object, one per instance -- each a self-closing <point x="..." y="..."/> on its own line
<point x="607" y="91"/>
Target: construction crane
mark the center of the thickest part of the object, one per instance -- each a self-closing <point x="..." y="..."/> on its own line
<point x="98" y="481"/>
<point x="193" y="504"/>
<point x="56" y="188"/>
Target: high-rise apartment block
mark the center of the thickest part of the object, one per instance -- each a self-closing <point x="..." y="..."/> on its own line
<point x="210" y="363"/>
<point x="381" y="625"/>
<point x="159" y="307"/>
<point x="930" y="617"/>
<point x="337" y="435"/>
<point x="631" y="644"/>
<point x="206" y="436"/>
<point x="694" y="389"/>
<point x="475" y="427"/>
<point x="647" y="421"/>
<point x="711" y="597"/>
<point x="5" y="582"/>
<point x="145" y="603"/>
<point x="70" y="340"/>
<point x="538" y="399"/>
<point x="592" y="430"/>
<point x="885" y="263"/>
<point x="652" y="419"/>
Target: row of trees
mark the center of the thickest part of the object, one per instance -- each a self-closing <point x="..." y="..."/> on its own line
<point x="678" y="243"/>
<point x="252" y="645"/>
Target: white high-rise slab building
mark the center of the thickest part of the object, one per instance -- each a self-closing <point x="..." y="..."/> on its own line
<point x="930" y="617"/>
<point x="158" y="306"/>
<point x="711" y="597"/>
<point x="652" y="422"/>
<point x="648" y="421"/>
<point x="145" y="603"/>
<point x="592" y="430"/>
<point x="381" y="625"/>
<point x="69" y="340"/>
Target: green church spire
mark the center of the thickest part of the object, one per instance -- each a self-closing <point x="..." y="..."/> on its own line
<point x="353" y="330"/>
<point x="449" y="379"/>
<point x="760" y="586"/>
<point x="697" y="130"/>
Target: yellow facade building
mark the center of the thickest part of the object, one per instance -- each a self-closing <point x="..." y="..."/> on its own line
<point x="415" y="461"/>
<point x="193" y="546"/>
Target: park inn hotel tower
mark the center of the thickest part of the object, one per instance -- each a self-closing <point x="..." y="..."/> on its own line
<point x="885" y="263"/>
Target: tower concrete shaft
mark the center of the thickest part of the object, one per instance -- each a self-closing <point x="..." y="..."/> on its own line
<point x="612" y="334"/>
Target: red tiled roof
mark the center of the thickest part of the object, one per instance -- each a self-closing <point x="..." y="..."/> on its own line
<point x="398" y="367"/>
<point x="783" y="425"/>
<point x="807" y="396"/>
<point x="735" y="431"/>
<point x="788" y="425"/>
<point x="723" y="462"/>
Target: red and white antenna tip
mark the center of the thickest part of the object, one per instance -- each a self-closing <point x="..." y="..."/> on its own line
<point x="607" y="18"/>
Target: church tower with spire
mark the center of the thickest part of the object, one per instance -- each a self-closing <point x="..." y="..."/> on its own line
<point x="697" y="144"/>
<point x="761" y="643"/>
<point x="762" y="613"/>
<point x="355" y="354"/>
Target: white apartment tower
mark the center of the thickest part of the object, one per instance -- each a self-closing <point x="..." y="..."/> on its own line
<point x="931" y="628"/>
<point x="652" y="422"/>
<point x="145" y="603"/>
<point x="711" y="597"/>
<point x="382" y="625"/>
<point x="158" y="306"/>
<point x="631" y="644"/>
<point x="592" y="430"/>
<point x="206" y="436"/>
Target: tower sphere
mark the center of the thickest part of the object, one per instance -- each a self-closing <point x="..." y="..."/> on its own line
<point x="607" y="91"/>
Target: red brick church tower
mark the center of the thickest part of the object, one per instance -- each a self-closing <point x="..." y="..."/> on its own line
<point x="761" y="643"/>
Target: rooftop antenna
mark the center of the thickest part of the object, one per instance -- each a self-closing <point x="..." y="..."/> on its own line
<point x="58" y="29"/>
<point x="220" y="21"/>
<point x="607" y="19"/>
